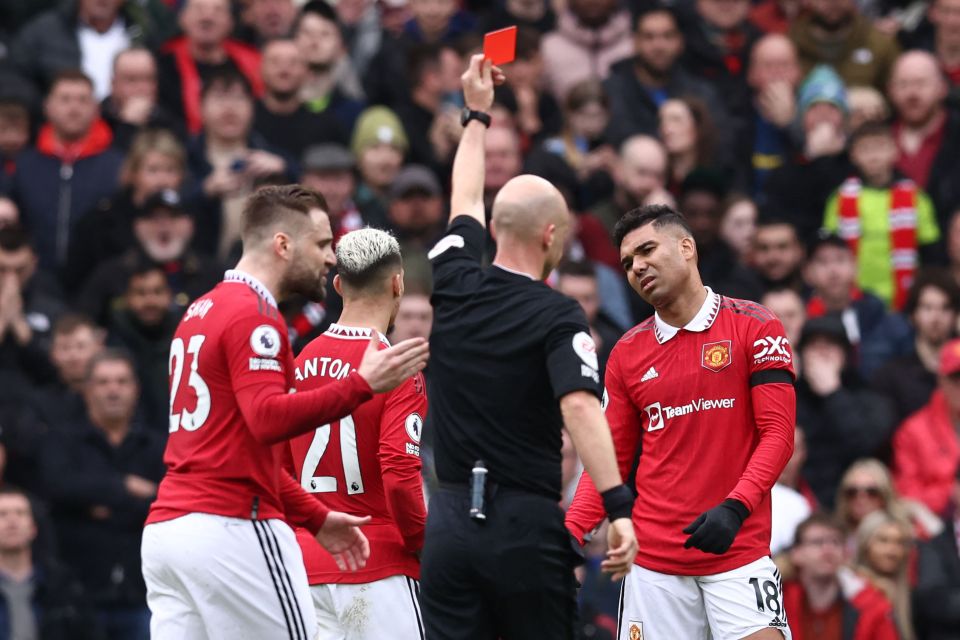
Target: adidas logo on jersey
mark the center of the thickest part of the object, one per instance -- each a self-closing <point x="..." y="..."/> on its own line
<point x="777" y="623"/>
<point x="650" y="375"/>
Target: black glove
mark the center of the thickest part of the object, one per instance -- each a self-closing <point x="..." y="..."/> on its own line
<point x="714" y="530"/>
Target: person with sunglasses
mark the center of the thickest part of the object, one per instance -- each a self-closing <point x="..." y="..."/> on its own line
<point x="866" y="488"/>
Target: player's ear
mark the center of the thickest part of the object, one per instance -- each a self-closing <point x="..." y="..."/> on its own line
<point x="398" y="284"/>
<point x="493" y="229"/>
<point x="282" y="245"/>
<point x="688" y="248"/>
<point x="338" y="285"/>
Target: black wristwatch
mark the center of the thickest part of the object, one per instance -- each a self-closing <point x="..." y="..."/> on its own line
<point x="469" y="114"/>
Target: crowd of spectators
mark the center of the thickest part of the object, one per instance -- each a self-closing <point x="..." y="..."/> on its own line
<point x="814" y="146"/>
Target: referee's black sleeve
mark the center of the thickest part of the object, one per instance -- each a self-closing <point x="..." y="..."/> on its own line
<point x="456" y="256"/>
<point x="571" y="353"/>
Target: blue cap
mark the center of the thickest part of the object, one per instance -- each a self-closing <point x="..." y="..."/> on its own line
<point x="822" y="84"/>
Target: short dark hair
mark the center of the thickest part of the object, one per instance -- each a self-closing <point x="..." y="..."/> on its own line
<point x="111" y="354"/>
<point x="870" y="129"/>
<point x="659" y="215"/>
<point x="586" y="92"/>
<point x="937" y="279"/>
<point x="70" y="75"/>
<point x="319" y="8"/>
<point x="13" y="490"/>
<point x="142" y="264"/>
<point x="420" y="59"/>
<point x="14" y="237"/>
<point x="12" y="108"/>
<point x="577" y="269"/>
<point x="268" y="205"/>
<point x="653" y="9"/>
<point x="69" y="323"/>
<point x="226" y="78"/>
<point x="817" y="519"/>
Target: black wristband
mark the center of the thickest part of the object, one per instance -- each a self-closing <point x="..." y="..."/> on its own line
<point x="618" y="502"/>
<point x="737" y="507"/>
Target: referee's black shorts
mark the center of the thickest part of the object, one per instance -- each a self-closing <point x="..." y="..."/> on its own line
<point x="508" y="577"/>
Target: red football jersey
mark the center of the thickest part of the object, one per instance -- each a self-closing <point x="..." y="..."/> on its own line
<point x="231" y="371"/>
<point x="690" y="395"/>
<point x="367" y="463"/>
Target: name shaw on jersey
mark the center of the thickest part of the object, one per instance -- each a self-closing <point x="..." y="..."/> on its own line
<point x="323" y="366"/>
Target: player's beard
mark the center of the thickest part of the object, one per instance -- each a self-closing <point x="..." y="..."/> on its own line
<point x="300" y="280"/>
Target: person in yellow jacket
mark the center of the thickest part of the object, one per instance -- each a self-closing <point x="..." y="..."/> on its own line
<point x="886" y="219"/>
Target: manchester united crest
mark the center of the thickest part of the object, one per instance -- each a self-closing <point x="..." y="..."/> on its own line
<point x="636" y="630"/>
<point x="716" y="355"/>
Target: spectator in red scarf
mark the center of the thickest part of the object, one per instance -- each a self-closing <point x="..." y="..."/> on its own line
<point x="187" y="61"/>
<point x="71" y="167"/>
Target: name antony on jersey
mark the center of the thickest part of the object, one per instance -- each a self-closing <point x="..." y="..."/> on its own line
<point x="323" y="366"/>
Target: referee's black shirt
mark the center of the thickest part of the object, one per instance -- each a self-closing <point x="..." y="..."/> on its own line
<point x="504" y="349"/>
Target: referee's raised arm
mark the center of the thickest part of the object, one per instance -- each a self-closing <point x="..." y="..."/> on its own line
<point x="468" y="165"/>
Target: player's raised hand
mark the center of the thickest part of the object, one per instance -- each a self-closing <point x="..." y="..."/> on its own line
<point x="385" y="369"/>
<point x="621" y="548"/>
<point x="341" y="536"/>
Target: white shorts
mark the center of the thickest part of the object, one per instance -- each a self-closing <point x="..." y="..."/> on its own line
<point x="388" y="608"/>
<point x="723" y="606"/>
<point x="210" y="577"/>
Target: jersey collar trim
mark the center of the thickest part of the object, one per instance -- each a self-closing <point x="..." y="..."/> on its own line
<point x="354" y="333"/>
<point x="700" y="322"/>
<point x="235" y="275"/>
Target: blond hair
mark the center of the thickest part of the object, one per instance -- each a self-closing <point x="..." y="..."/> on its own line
<point x="152" y="141"/>
<point x="897" y="588"/>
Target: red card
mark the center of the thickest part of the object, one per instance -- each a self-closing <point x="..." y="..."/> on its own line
<point x="500" y="47"/>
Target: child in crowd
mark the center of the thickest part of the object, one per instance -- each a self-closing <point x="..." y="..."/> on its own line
<point x="887" y="220"/>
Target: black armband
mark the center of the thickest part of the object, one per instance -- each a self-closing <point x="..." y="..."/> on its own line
<point x="618" y="502"/>
<point x="771" y="376"/>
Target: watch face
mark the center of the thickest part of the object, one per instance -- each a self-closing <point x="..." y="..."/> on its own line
<point x="465" y="116"/>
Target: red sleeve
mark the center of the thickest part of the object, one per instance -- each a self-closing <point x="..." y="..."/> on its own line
<point x="586" y="511"/>
<point x="258" y="355"/>
<point x="400" y="429"/>
<point x="907" y="468"/>
<point x="774" y="404"/>
<point x="775" y="414"/>
<point x="302" y="509"/>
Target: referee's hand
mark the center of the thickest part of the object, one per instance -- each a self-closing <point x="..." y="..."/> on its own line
<point x="621" y="548"/>
<point x="478" y="82"/>
<point x="385" y="369"/>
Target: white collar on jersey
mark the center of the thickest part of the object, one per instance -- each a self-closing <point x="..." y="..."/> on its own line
<point x="700" y="322"/>
<point x="235" y="275"/>
<point x="354" y="333"/>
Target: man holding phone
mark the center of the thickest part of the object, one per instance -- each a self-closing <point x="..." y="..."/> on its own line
<point x="513" y="362"/>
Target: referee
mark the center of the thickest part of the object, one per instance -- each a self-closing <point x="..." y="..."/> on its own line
<point x="513" y="361"/>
